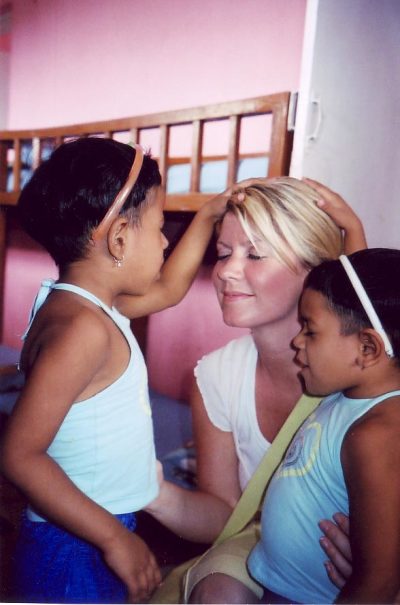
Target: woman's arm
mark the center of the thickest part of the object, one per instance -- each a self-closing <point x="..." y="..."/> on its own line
<point x="370" y="460"/>
<point x="336" y="544"/>
<point x="63" y="368"/>
<point x="200" y="515"/>
<point x="343" y="215"/>
<point x="179" y="271"/>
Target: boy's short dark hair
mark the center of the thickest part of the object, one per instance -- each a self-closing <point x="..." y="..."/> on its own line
<point x="379" y="272"/>
<point x="69" y="194"/>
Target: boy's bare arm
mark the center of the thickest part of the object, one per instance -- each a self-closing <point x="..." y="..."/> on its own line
<point x="61" y="372"/>
<point x="343" y="215"/>
<point x="179" y="271"/>
<point x="370" y="459"/>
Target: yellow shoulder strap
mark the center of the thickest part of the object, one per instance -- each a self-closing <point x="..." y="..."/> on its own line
<point x="250" y="500"/>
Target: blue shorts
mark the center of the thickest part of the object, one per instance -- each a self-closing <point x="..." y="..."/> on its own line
<point x="54" y="566"/>
<point x="275" y="599"/>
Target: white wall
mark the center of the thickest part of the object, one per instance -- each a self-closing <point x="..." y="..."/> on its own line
<point x="354" y="68"/>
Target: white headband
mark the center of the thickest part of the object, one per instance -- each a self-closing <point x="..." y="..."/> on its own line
<point x="366" y="303"/>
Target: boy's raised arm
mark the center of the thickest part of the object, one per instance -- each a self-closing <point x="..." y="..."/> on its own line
<point x="343" y="215"/>
<point x="179" y="271"/>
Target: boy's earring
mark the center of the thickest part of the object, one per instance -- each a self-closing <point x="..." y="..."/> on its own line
<point x="118" y="261"/>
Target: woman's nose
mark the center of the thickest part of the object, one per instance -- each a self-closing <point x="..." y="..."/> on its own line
<point x="230" y="268"/>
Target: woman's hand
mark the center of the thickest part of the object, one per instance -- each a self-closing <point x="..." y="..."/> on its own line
<point x="336" y="545"/>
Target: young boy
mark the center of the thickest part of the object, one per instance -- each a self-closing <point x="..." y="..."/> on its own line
<point x="346" y="456"/>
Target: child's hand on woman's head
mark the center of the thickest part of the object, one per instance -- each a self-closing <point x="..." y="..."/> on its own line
<point x="237" y="191"/>
<point x="334" y="205"/>
<point x="342" y="214"/>
<point x="132" y="561"/>
<point x="216" y="206"/>
<point x="235" y="194"/>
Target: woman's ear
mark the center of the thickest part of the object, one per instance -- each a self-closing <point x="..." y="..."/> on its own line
<point x="371" y="347"/>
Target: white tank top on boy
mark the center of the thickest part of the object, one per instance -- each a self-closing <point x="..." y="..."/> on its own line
<point x="105" y="444"/>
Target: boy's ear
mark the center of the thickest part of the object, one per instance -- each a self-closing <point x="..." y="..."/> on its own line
<point x="371" y="347"/>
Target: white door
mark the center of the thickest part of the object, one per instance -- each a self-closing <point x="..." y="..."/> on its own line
<point x="348" y="123"/>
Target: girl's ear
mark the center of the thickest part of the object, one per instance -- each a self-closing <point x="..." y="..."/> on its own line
<point x="116" y="238"/>
<point x="371" y="347"/>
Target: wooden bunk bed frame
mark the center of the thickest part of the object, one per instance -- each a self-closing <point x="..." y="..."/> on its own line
<point x="279" y="149"/>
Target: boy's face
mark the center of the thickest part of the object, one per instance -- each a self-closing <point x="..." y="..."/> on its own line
<point x="328" y="359"/>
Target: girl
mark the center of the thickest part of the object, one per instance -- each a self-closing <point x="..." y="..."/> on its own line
<point x="79" y="442"/>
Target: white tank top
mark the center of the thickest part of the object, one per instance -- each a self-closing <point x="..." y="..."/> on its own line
<point x="105" y="444"/>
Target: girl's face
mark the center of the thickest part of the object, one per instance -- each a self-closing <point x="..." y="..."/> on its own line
<point x="254" y="289"/>
<point x="148" y="242"/>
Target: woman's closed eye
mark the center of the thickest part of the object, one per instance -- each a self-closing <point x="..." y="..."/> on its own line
<point x="255" y="256"/>
<point x="223" y="251"/>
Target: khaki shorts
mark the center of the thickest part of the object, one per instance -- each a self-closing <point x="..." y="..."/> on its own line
<point x="229" y="558"/>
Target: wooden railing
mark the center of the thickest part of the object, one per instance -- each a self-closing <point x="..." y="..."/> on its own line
<point x="41" y="141"/>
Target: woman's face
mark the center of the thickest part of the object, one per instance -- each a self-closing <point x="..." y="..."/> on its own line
<point x="254" y="289"/>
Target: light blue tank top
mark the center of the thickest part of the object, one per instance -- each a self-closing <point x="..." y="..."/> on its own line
<point x="308" y="486"/>
<point x="105" y="444"/>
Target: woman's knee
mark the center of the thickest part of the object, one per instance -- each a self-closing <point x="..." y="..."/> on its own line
<point x="221" y="588"/>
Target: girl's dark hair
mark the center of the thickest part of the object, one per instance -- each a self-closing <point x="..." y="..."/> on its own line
<point x="379" y="271"/>
<point x="69" y="194"/>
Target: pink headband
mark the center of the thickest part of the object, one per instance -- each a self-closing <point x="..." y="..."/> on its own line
<point x="121" y="196"/>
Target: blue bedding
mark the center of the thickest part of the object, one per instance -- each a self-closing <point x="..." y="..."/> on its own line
<point x="172" y="423"/>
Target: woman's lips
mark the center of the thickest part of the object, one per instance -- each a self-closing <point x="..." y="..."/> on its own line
<point x="235" y="296"/>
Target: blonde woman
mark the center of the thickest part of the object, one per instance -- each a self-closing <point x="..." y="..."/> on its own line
<point x="268" y="240"/>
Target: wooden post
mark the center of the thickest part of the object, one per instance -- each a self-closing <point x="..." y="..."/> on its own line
<point x="197" y="145"/>
<point x="233" y="153"/>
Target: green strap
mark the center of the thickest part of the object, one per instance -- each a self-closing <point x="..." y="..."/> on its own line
<point x="250" y="499"/>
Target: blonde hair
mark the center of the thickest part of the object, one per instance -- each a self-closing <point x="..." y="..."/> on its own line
<point x="283" y="212"/>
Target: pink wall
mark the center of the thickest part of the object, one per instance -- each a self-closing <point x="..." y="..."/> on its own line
<point x="84" y="60"/>
<point x="26" y="265"/>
